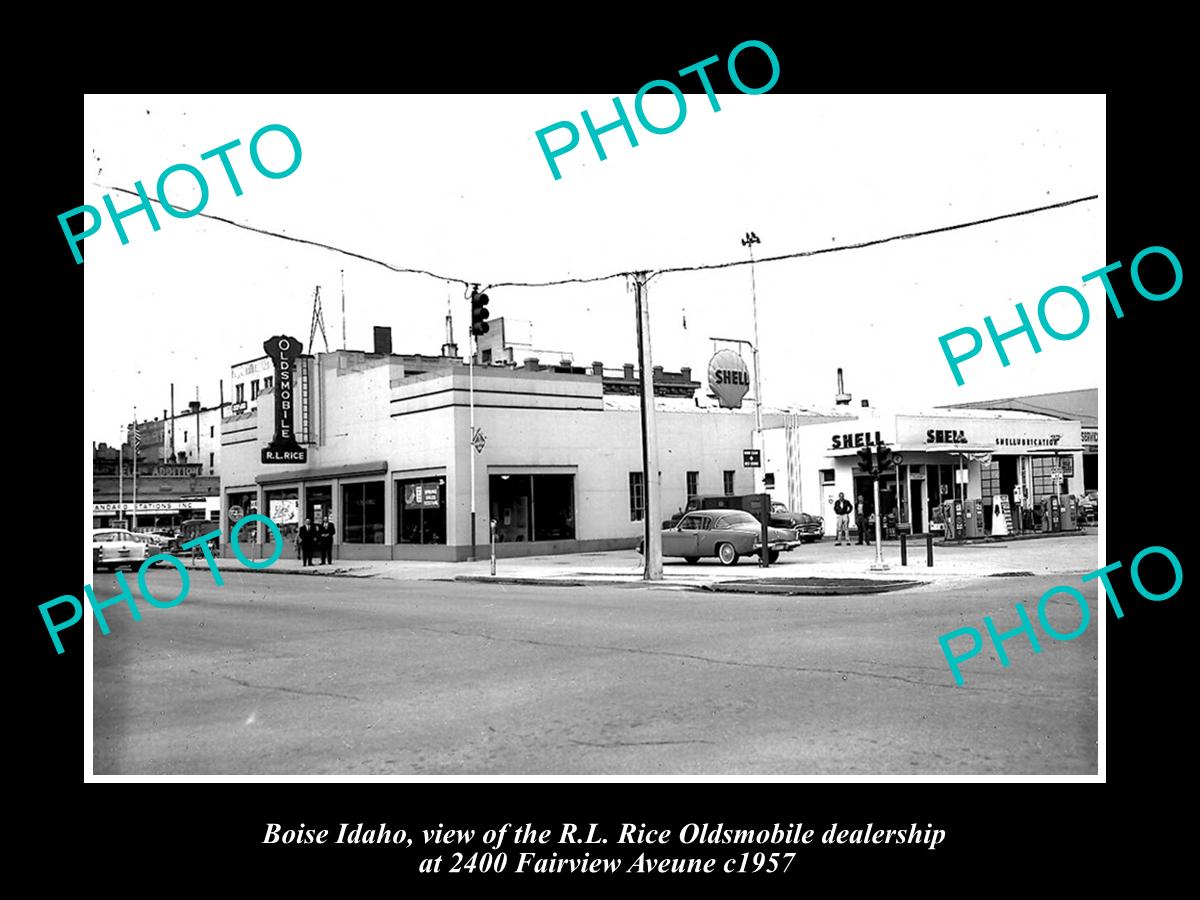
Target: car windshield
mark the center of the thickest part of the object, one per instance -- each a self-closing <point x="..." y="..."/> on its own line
<point x="778" y="508"/>
<point x="738" y="518"/>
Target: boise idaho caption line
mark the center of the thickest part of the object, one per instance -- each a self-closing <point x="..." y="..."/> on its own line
<point x="222" y="152"/>
<point x="1026" y="626"/>
<point x="127" y="596"/>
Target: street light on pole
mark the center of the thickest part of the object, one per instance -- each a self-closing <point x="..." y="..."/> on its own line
<point x="748" y="242"/>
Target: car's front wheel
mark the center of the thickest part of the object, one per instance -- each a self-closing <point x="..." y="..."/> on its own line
<point x="727" y="554"/>
<point x="772" y="556"/>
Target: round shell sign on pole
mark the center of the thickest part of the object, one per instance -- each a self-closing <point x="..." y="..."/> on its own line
<point x="728" y="378"/>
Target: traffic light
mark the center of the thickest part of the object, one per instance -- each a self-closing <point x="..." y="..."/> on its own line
<point x="864" y="460"/>
<point x="479" y="314"/>
<point x="884" y="452"/>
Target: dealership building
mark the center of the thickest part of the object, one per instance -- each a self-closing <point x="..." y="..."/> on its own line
<point x="388" y="454"/>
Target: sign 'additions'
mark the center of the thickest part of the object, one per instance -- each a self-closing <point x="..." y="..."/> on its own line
<point x="728" y="378"/>
<point x="284" y="351"/>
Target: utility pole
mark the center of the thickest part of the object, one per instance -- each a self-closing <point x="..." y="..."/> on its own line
<point x="136" y="441"/>
<point x="343" y="271"/>
<point x="121" y="477"/>
<point x="748" y="242"/>
<point x="652" y="544"/>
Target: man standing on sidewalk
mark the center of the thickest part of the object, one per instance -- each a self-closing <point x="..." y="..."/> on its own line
<point x="860" y="521"/>
<point x="308" y="539"/>
<point x="841" y="509"/>
<point x="325" y="532"/>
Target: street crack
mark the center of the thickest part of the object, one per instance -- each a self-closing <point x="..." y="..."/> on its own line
<point x="706" y="659"/>
<point x="287" y="690"/>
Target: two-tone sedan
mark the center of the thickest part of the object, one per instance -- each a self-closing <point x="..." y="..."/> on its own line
<point x="727" y="534"/>
<point x="806" y="526"/>
<point x="116" y="547"/>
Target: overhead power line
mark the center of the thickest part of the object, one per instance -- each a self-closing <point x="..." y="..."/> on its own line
<point x="799" y="254"/>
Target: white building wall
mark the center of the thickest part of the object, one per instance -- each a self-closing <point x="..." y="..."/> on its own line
<point x="370" y="414"/>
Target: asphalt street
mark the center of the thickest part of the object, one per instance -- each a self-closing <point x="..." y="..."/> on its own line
<point x="276" y="674"/>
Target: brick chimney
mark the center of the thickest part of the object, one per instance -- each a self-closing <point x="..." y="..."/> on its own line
<point x="629" y="371"/>
<point x="531" y="363"/>
<point x="686" y="373"/>
<point x="597" y="368"/>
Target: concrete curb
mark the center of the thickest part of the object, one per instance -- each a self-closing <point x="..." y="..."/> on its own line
<point x="568" y="582"/>
<point x="335" y="571"/>
<point x="1004" y="539"/>
<point x="811" y="590"/>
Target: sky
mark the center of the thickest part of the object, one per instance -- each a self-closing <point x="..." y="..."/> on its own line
<point x="458" y="185"/>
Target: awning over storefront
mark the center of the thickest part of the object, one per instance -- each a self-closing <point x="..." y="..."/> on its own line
<point x="1043" y="450"/>
<point x="944" y="448"/>
<point x="907" y="448"/>
<point x="323" y="473"/>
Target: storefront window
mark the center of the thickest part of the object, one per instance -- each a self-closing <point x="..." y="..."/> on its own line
<point x="243" y="503"/>
<point x="554" y="507"/>
<point x="533" y="507"/>
<point x="283" y="508"/>
<point x="362" y="513"/>
<point x="990" y="474"/>
<point x="727" y="476"/>
<point x="421" y="511"/>
<point x="1042" y="483"/>
<point x="318" y="503"/>
<point x="637" y="497"/>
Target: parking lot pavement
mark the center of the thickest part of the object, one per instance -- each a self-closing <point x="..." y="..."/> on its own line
<point x="952" y="563"/>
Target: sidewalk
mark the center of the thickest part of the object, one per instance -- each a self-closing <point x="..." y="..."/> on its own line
<point x="1071" y="554"/>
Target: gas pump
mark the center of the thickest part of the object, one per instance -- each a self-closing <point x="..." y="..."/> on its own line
<point x="1070" y="512"/>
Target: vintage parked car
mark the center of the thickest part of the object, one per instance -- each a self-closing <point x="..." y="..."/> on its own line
<point x="727" y="534"/>
<point x="194" y="528"/>
<point x="115" y="547"/>
<point x="807" y="527"/>
<point x="1089" y="507"/>
<point x="155" y="544"/>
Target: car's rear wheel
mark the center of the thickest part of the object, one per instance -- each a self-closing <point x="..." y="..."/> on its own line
<point x="727" y="554"/>
<point x="773" y="556"/>
<point x="691" y="560"/>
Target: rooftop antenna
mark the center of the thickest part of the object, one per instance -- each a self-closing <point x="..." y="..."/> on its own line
<point x="318" y="321"/>
<point x="343" y="271"/>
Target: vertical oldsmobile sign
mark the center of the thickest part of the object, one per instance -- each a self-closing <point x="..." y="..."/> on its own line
<point x="284" y="448"/>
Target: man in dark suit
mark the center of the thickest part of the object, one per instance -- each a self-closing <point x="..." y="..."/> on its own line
<point x="862" y="522"/>
<point x="308" y="539"/>
<point x="326" y="532"/>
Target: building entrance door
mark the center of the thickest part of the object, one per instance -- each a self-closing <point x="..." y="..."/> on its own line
<point x="916" y="490"/>
<point x="828" y="496"/>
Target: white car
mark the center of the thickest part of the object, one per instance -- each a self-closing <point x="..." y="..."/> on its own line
<point x="116" y="547"/>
